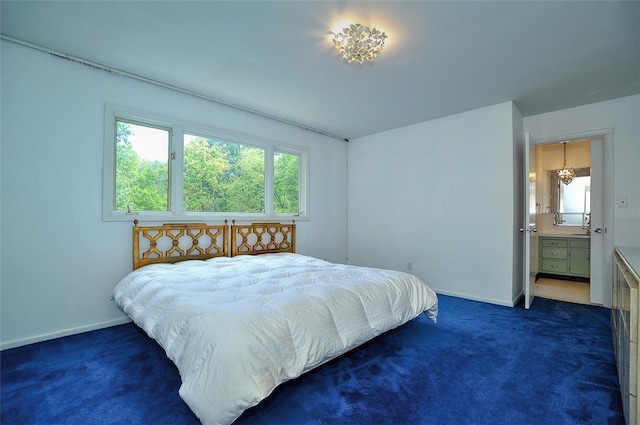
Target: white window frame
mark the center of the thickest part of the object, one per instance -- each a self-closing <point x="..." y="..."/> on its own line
<point x="176" y="150"/>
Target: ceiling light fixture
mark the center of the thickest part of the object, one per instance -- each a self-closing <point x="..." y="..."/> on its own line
<point x="358" y="43"/>
<point x="566" y="175"/>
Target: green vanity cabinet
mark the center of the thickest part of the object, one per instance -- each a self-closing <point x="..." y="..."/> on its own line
<point x="580" y="262"/>
<point x="565" y="256"/>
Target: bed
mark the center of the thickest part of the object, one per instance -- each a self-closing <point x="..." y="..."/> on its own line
<point x="248" y="313"/>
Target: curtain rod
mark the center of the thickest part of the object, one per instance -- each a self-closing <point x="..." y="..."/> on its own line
<point x="165" y="85"/>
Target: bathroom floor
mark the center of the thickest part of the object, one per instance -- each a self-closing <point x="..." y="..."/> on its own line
<point x="563" y="290"/>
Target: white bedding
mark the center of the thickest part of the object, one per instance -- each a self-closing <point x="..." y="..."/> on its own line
<point x="238" y="327"/>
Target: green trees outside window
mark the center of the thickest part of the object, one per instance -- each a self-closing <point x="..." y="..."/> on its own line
<point x="217" y="175"/>
<point x="142" y="183"/>
<point x="286" y="169"/>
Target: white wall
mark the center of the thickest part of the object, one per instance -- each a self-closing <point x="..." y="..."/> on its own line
<point x="59" y="260"/>
<point x="441" y="195"/>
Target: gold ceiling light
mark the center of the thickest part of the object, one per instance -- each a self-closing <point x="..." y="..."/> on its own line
<point x="358" y="43"/>
<point x="566" y="174"/>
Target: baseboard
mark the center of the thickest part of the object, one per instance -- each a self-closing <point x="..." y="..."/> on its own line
<point x="517" y="298"/>
<point x="5" y="345"/>
<point x="481" y="299"/>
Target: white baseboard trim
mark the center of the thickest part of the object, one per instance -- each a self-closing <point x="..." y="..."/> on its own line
<point x="481" y="299"/>
<point x="517" y="298"/>
<point x="5" y="345"/>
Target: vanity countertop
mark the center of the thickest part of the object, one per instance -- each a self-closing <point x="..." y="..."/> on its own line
<point x="560" y="235"/>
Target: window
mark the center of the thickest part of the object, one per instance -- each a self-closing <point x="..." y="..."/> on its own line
<point x="161" y="169"/>
<point x="142" y="167"/>
<point x="220" y="176"/>
<point x="286" y="172"/>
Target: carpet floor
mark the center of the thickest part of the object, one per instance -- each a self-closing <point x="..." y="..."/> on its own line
<point x="481" y="364"/>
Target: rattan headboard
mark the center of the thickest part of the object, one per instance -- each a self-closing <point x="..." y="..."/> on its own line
<point x="171" y="243"/>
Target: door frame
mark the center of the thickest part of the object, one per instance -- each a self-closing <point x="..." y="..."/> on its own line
<point x="601" y="292"/>
<point x="528" y="229"/>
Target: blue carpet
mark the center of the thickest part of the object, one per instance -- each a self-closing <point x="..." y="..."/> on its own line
<point x="481" y="364"/>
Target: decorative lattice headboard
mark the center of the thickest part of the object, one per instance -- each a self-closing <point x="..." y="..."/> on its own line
<point x="171" y="243"/>
<point x="262" y="238"/>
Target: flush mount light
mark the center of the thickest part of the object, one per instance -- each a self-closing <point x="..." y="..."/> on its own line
<point x="358" y="43"/>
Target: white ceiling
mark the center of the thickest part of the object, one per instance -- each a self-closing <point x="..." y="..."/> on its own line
<point x="276" y="57"/>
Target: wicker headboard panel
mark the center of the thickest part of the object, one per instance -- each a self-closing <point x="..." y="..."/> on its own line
<point x="262" y="238"/>
<point x="171" y="243"/>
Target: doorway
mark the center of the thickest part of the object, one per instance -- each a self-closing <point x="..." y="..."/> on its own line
<point x="565" y="213"/>
<point x="562" y="290"/>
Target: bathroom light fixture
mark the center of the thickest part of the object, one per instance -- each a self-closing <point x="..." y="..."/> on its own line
<point x="358" y="43"/>
<point x="566" y="175"/>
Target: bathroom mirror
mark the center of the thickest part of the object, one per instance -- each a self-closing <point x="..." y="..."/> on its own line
<point x="571" y="203"/>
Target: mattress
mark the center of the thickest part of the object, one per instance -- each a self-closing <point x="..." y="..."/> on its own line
<point x="237" y="327"/>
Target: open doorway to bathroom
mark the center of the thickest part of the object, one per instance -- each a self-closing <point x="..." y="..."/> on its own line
<point x="563" y="290"/>
<point x="563" y="220"/>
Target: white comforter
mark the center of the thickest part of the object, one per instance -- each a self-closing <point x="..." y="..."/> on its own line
<point x="238" y="327"/>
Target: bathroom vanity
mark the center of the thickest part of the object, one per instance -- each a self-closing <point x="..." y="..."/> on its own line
<point x="566" y="256"/>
